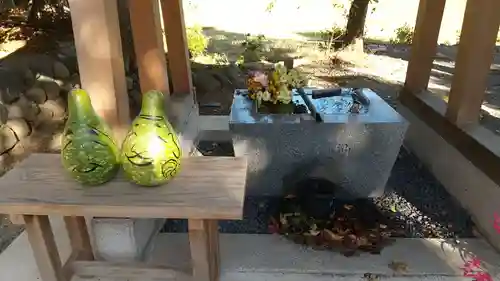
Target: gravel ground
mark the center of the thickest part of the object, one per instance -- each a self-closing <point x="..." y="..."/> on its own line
<point x="414" y="200"/>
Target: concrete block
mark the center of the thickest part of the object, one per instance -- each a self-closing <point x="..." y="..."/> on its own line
<point x="128" y="239"/>
<point x="355" y="150"/>
<point x="124" y="240"/>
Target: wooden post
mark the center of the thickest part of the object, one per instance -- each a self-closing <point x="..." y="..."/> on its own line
<point x="423" y="50"/>
<point x="148" y="44"/>
<point x="474" y="58"/>
<point x="100" y="60"/>
<point x="178" y="54"/>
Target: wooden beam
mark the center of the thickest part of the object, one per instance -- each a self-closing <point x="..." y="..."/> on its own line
<point x="178" y="54"/>
<point x="129" y="271"/>
<point x="148" y="45"/>
<point x="474" y="58"/>
<point x="478" y="154"/>
<point x="423" y="50"/>
<point x="100" y="60"/>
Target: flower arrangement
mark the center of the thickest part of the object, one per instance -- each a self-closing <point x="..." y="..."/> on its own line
<point x="276" y="86"/>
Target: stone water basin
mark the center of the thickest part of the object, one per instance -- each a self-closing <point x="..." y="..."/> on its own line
<point x="356" y="151"/>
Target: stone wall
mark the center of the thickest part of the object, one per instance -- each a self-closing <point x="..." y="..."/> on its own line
<point x="32" y="104"/>
<point x="33" y="100"/>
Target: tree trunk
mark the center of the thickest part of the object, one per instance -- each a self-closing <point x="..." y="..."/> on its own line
<point x="355" y="25"/>
<point x="126" y="35"/>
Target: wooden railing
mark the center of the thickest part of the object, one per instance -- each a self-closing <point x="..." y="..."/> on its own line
<point x="458" y="120"/>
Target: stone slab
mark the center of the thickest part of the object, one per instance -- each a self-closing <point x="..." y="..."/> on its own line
<point x="356" y="151"/>
<point x="269" y="257"/>
<point x="265" y="253"/>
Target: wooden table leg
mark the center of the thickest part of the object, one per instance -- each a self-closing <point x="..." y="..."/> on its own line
<point x="204" y="243"/>
<point x="79" y="237"/>
<point x="44" y="247"/>
<point x="214" y="253"/>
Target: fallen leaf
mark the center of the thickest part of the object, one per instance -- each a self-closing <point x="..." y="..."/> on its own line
<point x="330" y="236"/>
<point x="273" y="226"/>
<point x="398" y="267"/>
<point x="348" y="207"/>
<point x="314" y="230"/>
<point x="371" y="277"/>
<point x="283" y="219"/>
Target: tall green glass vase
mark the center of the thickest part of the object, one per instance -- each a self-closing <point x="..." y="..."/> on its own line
<point x="88" y="151"/>
<point x="151" y="152"/>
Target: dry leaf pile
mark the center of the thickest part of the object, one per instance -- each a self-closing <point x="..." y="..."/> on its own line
<point x="347" y="230"/>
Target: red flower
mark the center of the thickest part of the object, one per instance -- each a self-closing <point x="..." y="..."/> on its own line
<point x="472" y="264"/>
<point x="470" y="267"/>
<point x="273" y="226"/>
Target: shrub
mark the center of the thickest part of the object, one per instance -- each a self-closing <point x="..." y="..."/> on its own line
<point x="404" y="35"/>
<point x="197" y="41"/>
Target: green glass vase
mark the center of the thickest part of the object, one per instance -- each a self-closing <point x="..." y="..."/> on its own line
<point x="151" y="152"/>
<point x="88" y="151"/>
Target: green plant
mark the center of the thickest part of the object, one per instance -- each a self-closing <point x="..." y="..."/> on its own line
<point x="240" y="61"/>
<point x="197" y="41"/>
<point x="254" y="43"/>
<point x="404" y="35"/>
<point x="254" y="47"/>
<point x="330" y="36"/>
<point x="220" y="59"/>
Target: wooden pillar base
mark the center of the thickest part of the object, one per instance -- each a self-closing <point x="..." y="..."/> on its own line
<point x="178" y="54"/>
<point x="100" y="60"/>
<point x="423" y="50"/>
<point x="148" y="45"/>
<point x="473" y="62"/>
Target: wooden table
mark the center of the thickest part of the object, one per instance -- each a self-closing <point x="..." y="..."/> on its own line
<point x="207" y="189"/>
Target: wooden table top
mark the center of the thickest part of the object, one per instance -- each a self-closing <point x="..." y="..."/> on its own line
<point x="205" y="188"/>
